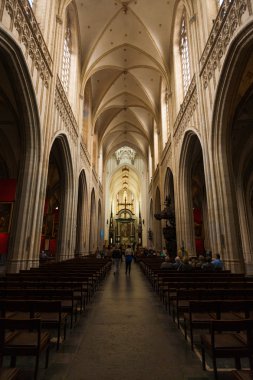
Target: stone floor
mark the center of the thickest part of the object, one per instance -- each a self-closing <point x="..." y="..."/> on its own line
<point x="125" y="334"/>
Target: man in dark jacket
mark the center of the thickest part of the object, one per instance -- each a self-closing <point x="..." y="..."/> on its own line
<point x="116" y="256"/>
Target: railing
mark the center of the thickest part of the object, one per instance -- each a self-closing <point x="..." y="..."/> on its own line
<point x="94" y="173"/>
<point x="65" y="110"/>
<point x="30" y="35"/>
<point x="227" y="21"/>
<point x="84" y="153"/>
<point x="186" y="110"/>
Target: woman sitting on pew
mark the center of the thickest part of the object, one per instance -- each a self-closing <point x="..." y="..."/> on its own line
<point x="185" y="266"/>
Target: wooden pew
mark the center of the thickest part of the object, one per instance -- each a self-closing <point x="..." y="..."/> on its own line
<point x="9" y="373"/>
<point x="68" y="303"/>
<point x="228" y="339"/>
<point x="50" y="313"/>
<point x="183" y="298"/>
<point x="201" y="313"/>
<point x="169" y="293"/>
<point x="242" y="375"/>
<point x="23" y="338"/>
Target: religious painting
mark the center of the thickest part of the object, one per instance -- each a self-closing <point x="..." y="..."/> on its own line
<point x="125" y="230"/>
<point x="5" y="216"/>
<point x="198" y="230"/>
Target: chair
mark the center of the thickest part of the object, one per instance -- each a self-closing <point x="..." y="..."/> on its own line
<point x="23" y="338"/>
<point x="228" y="339"/>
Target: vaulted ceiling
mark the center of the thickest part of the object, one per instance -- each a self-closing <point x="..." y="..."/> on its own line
<point x="125" y="59"/>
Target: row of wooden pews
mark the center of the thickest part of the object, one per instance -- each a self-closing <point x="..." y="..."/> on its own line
<point x="242" y="375"/>
<point x="216" y="309"/>
<point x="38" y="303"/>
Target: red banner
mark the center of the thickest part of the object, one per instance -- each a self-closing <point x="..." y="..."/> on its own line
<point x="200" y="249"/>
<point x="52" y="246"/>
<point x="4" y="242"/>
<point x="8" y="190"/>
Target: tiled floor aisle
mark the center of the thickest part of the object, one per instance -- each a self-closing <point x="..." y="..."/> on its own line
<point x="125" y="335"/>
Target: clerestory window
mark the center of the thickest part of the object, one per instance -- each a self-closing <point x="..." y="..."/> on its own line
<point x="66" y="59"/>
<point x="184" y="51"/>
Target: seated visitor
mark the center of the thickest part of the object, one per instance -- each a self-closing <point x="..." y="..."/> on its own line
<point x="167" y="263"/>
<point x="185" y="266"/>
<point x="193" y="261"/>
<point x="207" y="266"/>
<point x="177" y="262"/>
<point x="200" y="261"/>
<point x="43" y="255"/>
<point x="163" y="252"/>
<point x="98" y="254"/>
<point x="218" y="263"/>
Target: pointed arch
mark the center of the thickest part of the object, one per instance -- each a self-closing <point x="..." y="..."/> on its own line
<point x="169" y="185"/>
<point x="157" y="223"/>
<point x="17" y="88"/>
<point x="82" y="213"/>
<point x="93" y="223"/>
<point x="151" y="224"/>
<point x="192" y="196"/>
<point x="232" y="91"/>
<point x="59" y="199"/>
<point x="99" y="224"/>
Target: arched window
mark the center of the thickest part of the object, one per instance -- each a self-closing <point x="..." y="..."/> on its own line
<point x="164" y="114"/>
<point x="66" y="58"/>
<point x="184" y="51"/>
<point x="86" y="114"/>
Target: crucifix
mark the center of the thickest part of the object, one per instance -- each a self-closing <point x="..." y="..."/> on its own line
<point x="125" y="204"/>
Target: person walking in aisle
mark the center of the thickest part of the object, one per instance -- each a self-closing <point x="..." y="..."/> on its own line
<point x="128" y="258"/>
<point x="116" y="255"/>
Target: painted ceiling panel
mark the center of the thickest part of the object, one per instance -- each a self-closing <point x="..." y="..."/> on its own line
<point x="127" y="117"/>
<point x="126" y="128"/>
<point x="157" y="16"/>
<point x="128" y="29"/>
<point x="126" y="83"/>
<point x="128" y="100"/>
<point x="124" y="57"/>
<point x="93" y="16"/>
<point x="100" y="82"/>
<point x="150" y="79"/>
